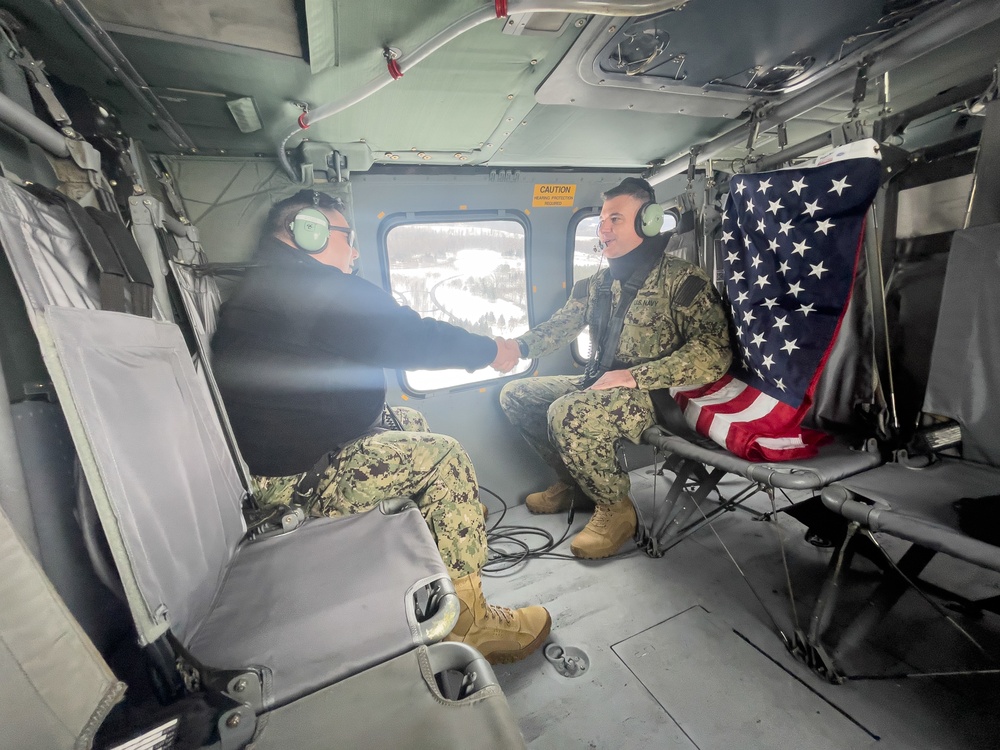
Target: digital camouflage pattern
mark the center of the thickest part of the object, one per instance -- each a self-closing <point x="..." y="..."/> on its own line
<point x="432" y="469"/>
<point x="675" y="334"/>
<point x="664" y="343"/>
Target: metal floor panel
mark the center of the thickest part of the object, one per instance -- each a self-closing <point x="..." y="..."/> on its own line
<point x="725" y="693"/>
<point x="607" y="607"/>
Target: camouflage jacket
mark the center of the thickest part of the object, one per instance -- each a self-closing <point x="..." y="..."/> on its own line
<point x="675" y="330"/>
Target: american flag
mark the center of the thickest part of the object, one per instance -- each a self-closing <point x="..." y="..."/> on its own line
<point x="791" y="241"/>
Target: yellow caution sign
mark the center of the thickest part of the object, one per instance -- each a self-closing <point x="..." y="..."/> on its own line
<point x="553" y="195"/>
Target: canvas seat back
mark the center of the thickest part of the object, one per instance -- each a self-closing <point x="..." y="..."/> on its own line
<point x="964" y="377"/>
<point x="173" y="454"/>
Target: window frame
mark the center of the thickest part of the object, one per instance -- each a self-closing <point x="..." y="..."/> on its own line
<point x="578" y="218"/>
<point x="406" y="218"/>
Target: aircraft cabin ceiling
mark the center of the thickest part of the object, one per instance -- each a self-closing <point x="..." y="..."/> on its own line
<point x="556" y="88"/>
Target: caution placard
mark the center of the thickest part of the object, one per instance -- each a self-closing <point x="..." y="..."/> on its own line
<point x="553" y="195"/>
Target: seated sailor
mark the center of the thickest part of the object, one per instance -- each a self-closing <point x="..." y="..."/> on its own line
<point x="299" y="356"/>
<point x="656" y="322"/>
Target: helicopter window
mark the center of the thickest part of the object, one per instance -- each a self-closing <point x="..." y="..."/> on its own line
<point x="470" y="273"/>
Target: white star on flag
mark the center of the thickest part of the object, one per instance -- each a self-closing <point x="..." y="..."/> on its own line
<point x="817" y="270"/>
<point x="839" y="186"/>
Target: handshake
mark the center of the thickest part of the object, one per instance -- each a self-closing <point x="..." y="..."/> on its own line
<point x="508" y="355"/>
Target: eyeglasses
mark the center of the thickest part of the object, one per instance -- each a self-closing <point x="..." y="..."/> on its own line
<point x="351" y="234"/>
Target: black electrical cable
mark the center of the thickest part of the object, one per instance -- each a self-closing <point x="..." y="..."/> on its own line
<point x="500" y="559"/>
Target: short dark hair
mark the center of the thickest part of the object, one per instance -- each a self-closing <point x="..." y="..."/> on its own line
<point x="282" y="212"/>
<point x="634" y="186"/>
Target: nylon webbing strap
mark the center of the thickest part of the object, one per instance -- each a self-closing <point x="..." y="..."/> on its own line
<point x="140" y="281"/>
<point x="603" y="358"/>
<point x="164" y="178"/>
<point x="308" y="484"/>
<point x="111" y="273"/>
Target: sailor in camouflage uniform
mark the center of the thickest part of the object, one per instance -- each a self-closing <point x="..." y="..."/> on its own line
<point x="674" y="333"/>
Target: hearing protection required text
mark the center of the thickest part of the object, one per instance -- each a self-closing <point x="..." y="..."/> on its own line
<point x="553" y="195"/>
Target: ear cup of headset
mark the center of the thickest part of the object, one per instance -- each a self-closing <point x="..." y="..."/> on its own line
<point x="310" y="230"/>
<point x="649" y="220"/>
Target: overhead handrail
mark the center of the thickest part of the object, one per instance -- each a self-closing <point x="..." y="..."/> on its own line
<point x="919" y="37"/>
<point x="77" y="15"/>
<point x="20" y="120"/>
<point x="396" y="67"/>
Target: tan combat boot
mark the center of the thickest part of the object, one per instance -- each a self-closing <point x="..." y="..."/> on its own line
<point x="501" y="635"/>
<point x="556" y="499"/>
<point x="608" y="529"/>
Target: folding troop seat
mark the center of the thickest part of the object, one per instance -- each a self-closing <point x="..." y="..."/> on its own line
<point x="711" y="433"/>
<point x="947" y="498"/>
<point x="301" y="636"/>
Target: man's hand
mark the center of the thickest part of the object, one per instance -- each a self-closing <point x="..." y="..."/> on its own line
<point x="614" y="379"/>
<point x="508" y="355"/>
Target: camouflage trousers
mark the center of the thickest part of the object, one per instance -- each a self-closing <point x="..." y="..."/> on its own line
<point x="432" y="469"/>
<point x="576" y="432"/>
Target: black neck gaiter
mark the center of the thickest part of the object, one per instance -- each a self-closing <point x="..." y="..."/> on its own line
<point x="621" y="268"/>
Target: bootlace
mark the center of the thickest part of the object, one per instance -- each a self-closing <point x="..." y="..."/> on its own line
<point x="501" y="613"/>
<point x="602" y="514"/>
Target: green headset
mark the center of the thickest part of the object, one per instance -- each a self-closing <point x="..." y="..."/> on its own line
<point x="310" y="230"/>
<point x="649" y="219"/>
